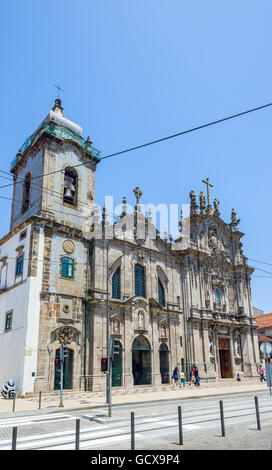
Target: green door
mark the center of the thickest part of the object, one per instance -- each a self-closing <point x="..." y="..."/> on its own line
<point x="67" y="371"/>
<point x="141" y="361"/>
<point x="117" y="368"/>
<point x="164" y="364"/>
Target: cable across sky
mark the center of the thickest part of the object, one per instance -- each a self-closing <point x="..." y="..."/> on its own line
<point x="137" y="147"/>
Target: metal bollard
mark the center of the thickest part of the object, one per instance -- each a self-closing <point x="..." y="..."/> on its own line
<point x="257" y="414"/>
<point x="40" y="400"/>
<point x="13" y="405"/>
<point x="222" y="419"/>
<point x="14" y="438"/>
<point x="77" y="433"/>
<point x="180" y="426"/>
<point x="132" y="427"/>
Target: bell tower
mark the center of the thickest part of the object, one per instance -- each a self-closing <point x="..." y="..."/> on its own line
<point x="54" y="172"/>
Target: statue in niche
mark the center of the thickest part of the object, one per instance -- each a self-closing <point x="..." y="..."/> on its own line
<point x="237" y="351"/>
<point x="162" y="331"/>
<point x="211" y="344"/>
<point x="141" y="321"/>
<point x="116" y="327"/>
<point x="212" y="238"/>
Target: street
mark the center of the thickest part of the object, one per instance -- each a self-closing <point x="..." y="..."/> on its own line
<point x="156" y="426"/>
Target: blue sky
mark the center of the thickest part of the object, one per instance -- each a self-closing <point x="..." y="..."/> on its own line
<point x="135" y="71"/>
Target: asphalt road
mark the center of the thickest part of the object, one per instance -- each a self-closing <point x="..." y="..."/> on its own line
<point x="156" y="426"/>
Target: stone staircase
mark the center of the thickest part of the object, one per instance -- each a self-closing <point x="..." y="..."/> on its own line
<point x="142" y="389"/>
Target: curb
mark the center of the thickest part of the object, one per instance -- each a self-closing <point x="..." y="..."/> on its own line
<point x="158" y="400"/>
<point x="114" y="405"/>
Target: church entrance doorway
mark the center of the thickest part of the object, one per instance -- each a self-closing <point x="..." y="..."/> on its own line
<point x="67" y="370"/>
<point x="164" y="364"/>
<point x="224" y="356"/>
<point x="141" y="361"/>
<point x="117" y="367"/>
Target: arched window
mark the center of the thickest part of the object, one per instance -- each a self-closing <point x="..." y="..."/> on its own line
<point x="70" y="186"/>
<point x="26" y="193"/>
<point x="139" y="273"/>
<point x="161" y="293"/>
<point x="116" y="294"/>
<point x="67" y="267"/>
<point x="218" y="297"/>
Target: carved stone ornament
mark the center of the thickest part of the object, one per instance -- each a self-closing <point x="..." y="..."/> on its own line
<point x="68" y="246"/>
<point x="65" y="336"/>
<point x="140" y="255"/>
<point x="66" y="308"/>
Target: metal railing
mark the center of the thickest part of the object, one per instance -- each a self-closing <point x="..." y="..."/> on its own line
<point x="60" y="133"/>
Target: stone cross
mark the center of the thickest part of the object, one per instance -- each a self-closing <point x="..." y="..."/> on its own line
<point x="208" y="189"/>
<point x="138" y="193"/>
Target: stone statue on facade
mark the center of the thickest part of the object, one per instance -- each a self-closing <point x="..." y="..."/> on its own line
<point x="141" y="321"/>
<point x="212" y="238"/>
<point x="237" y="351"/>
<point x="202" y="203"/>
<point x="194" y="205"/>
<point x="162" y="331"/>
<point x="234" y="220"/>
<point x="116" y="327"/>
<point x="216" y="207"/>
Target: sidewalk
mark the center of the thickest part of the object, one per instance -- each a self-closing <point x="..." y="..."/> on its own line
<point x="77" y="400"/>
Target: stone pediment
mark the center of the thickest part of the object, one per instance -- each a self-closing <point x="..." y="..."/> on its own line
<point x="141" y="232"/>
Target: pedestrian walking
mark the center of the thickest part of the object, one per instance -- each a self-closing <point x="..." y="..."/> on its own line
<point x="192" y="377"/>
<point x="175" y="377"/>
<point x="182" y="379"/>
<point x="197" y="378"/>
<point x="261" y="372"/>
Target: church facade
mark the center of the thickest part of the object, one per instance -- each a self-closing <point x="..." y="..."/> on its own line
<point x="170" y="303"/>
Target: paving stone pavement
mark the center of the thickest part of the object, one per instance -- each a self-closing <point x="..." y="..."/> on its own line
<point x="80" y="400"/>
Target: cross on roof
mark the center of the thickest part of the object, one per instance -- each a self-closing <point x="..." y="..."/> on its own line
<point x="138" y="193"/>
<point x="208" y="189"/>
<point x="59" y="89"/>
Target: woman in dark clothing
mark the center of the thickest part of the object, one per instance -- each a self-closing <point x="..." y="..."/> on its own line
<point x="175" y="376"/>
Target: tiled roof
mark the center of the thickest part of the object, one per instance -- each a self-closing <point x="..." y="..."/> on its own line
<point x="264" y="321"/>
<point x="264" y="339"/>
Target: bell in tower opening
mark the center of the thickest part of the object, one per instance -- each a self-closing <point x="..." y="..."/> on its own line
<point x="70" y="186"/>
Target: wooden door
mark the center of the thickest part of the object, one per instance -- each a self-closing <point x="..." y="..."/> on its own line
<point x="224" y="355"/>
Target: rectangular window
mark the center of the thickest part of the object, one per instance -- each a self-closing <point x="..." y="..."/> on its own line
<point x="67" y="267"/>
<point x="8" y="321"/>
<point x="19" y="265"/>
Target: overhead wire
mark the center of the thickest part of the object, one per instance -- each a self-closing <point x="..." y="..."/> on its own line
<point x="162" y="139"/>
